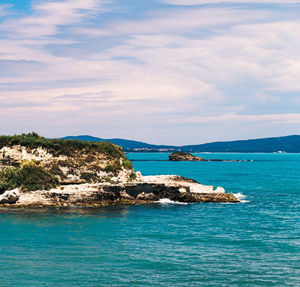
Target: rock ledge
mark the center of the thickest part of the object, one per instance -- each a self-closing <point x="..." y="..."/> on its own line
<point x="147" y="190"/>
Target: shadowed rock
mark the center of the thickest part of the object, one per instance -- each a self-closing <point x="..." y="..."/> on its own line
<point x="10" y="197"/>
<point x="150" y="189"/>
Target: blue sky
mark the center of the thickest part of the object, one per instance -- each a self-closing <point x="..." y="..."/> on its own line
<point x="161" y="71"/>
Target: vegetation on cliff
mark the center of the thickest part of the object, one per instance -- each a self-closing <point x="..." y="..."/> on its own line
<point x="60" y="146"/>
<point x="32" y="162"/>
<point x="28" y="177"/>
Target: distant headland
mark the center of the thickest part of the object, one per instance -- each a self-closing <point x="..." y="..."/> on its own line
<point x="286" y="144"/>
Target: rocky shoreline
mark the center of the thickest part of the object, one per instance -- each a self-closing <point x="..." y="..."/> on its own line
<point x="38" y="172"/>
<point x="148" y="190"/>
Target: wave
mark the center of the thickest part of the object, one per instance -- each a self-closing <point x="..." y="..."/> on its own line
<point x="241" y="197"/>
<point x="169" y="201"/>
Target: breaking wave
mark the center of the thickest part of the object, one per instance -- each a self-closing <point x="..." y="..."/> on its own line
<point x="241" y="197"/>
<point x="169" y="201"/>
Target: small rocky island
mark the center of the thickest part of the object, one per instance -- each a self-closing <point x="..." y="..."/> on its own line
<point x="186" y="156"/>
<point x="40" y="172"/>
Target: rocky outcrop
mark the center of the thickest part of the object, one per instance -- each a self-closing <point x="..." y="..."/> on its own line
<point x="150" y="189"/>
<point x="184" y="184"/>
<point x="82" y="166"/>
<point x="51" y="173"/>
<point x="10" y="197"/>
<point x="184" y="156"/>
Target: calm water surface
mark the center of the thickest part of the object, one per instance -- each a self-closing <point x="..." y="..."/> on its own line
<point x="255" y="243"/>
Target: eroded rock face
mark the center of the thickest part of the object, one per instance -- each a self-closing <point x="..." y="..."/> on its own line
<point x="151" y="189"/>
<point x="84" y="166"/>
<point x="184" y="184"/>
<point x="10" y="196"/>
<point x="94" y="176"/>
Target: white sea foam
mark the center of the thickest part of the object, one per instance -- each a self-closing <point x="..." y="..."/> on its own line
<point x="241" y="197"/>
<point x="169" y="201"/>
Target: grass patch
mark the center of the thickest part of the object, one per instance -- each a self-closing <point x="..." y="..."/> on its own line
<point x="28" y="177"/>
<point x="113" y="167"/>
<point x="9" y="179"/>
<point x="132" y="176"/>
<point x="127" y="164"/>
<point x="60" y="146"/>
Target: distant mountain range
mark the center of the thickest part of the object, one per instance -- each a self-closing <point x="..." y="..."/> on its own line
<point x="290" y="144"/>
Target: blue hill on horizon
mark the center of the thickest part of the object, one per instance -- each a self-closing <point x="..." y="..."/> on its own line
<point x="290" y="144"/>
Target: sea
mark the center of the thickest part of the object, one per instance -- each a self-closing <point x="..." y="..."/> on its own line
<point x="252" y="243"/>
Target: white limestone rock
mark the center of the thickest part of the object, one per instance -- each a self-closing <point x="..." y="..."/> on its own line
<point x="220" y="189"/>
<point x="139" y="176"/>
<point x="185" y="184"/>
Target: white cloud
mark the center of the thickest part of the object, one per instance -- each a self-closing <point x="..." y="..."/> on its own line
<point x="150" y="75"/>
<point x="200" y="2"/>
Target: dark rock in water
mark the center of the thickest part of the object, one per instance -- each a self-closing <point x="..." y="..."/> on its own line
<point x="184" y="156"/>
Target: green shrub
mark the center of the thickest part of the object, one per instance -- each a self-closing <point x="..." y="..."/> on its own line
<point x="28" y="177"/>
<point x="127" y="164"/>
<point x="33" y="177"/>
<point x="9" y="179"/>
<point x="113" y="167"/>
<point x="108" y="168"/>
<point x="132" y="176"/>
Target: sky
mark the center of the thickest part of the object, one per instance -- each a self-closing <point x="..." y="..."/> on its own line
<point x="160" y="71"/>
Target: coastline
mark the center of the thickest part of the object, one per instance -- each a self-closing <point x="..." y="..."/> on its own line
<point x="148" y="190"/>
<point x="40" y="172"/>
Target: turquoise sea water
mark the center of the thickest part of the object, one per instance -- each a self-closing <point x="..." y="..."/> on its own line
<point x="255" y="243"/>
